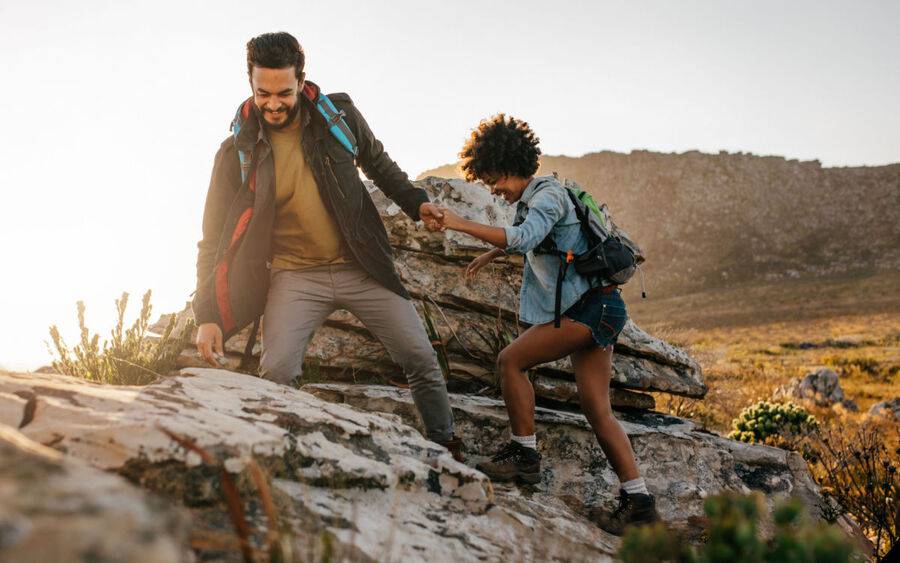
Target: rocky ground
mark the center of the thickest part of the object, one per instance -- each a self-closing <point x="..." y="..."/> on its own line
<point x="346" y="472"/>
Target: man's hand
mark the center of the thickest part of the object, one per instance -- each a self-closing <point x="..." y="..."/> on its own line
<point x="209" y="342"/>
<point x="432" y="215"/>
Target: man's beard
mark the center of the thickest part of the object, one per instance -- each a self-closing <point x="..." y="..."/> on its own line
<point x="289" y="118"/>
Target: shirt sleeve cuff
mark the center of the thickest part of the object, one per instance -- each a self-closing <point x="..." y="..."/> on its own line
<point x="513" y="239"/>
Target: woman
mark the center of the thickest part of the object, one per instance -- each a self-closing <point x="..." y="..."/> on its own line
<point x="503" y="154"/>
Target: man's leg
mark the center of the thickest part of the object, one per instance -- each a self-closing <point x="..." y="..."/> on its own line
<point x="394" y="321"/>
<point x="297" y="304"/>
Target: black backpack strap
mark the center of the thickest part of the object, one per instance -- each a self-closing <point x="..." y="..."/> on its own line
<point x="583" y="218"/>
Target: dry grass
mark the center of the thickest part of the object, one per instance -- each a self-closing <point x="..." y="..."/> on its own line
<point x="752" y="339"/>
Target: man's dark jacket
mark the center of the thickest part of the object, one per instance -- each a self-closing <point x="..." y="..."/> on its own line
<point x="234" y="256"/>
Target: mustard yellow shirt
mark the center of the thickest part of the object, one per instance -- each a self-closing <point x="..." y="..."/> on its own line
<point x="305" y="234"/>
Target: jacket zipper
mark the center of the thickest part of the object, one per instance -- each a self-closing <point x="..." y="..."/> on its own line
<point x="337" y="184"/>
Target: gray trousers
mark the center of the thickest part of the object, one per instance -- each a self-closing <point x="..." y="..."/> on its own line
<point x="298" y="303"/>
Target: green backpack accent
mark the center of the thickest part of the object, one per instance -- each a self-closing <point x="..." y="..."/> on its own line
<point x="601" y="211"/>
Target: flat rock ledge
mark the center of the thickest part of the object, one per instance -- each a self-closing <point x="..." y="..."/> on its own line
<point x="681" y="463"/>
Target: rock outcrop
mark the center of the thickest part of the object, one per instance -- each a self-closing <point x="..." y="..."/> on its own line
<point x="57" y="508"/>
<point x="473" y="322"/>
<point x="355" y="480"/>
<point x="681" y="462"/>
<point x="889" y="409"/>
<point x="364" y="485"/>
<point x="821" y="387"/>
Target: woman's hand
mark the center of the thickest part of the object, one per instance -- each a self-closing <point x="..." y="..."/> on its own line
<point x="450" y="220"/>
<point x="480" y="262"/>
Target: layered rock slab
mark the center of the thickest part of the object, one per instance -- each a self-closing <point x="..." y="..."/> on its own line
<point x="473" y="321"/>
<point x="681" y="463"/>
<point x="56" y="508"/>
<point x="367" y="481"/>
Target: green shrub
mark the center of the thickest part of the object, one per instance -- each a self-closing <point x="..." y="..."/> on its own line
<point x="732" y="534"/>
<point x="772" y="423"/>
<point x="131" y="357"/>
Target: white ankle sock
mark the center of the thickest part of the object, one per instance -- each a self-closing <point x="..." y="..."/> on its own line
<point x="527" y="441"/>
<point x="636" y="486"/>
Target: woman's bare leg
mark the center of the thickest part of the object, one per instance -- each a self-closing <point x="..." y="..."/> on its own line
<point x="537" y="345"/>
<point x="593" y="370"/>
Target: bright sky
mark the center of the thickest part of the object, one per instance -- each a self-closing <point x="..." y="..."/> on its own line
<point x="113" y="110"/>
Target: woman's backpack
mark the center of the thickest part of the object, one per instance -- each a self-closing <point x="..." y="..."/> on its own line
<point x="611" y="256"/>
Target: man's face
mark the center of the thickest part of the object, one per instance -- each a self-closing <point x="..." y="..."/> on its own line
<point x="275" y="93"/>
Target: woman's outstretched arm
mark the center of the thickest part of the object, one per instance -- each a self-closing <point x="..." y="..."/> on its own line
<point x="487" y="233"/>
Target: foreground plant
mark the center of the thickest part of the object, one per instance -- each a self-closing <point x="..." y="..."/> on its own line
<point x="858" y="470"/>
<point x="733" y="535"/>
<point x="130" y="357"/>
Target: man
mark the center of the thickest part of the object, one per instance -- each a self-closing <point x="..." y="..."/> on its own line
<point x="289" y="230"/>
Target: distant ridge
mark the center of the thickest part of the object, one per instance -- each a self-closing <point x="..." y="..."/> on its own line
<point x="711" y="219"/>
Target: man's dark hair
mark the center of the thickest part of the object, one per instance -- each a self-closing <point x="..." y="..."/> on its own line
<point x="275" y="50"/>
<point x="500" y="146"/>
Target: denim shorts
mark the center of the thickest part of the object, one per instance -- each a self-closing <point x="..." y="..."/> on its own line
<point x="604" y="314"/>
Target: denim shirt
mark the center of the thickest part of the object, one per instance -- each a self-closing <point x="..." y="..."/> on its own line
<point x="546" y="208"/>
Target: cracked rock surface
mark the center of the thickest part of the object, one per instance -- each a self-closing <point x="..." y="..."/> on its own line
<point x="681" y="463"/>
<point x="364" y="484"/>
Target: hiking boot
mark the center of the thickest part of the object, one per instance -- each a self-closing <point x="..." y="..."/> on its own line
<point x="633" y="510"/>
<point x="513" y="461"/>
<point x="456" y="447"/>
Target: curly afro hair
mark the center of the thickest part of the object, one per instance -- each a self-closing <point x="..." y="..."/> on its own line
<point x="500" y="146"/>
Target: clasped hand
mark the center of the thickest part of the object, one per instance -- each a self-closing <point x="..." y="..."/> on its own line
<point x="437" y="218"/>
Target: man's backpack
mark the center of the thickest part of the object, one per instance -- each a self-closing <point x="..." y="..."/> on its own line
<point x="611" y="255"/>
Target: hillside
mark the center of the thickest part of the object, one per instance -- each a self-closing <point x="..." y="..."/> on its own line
<point x="706" y="220"/>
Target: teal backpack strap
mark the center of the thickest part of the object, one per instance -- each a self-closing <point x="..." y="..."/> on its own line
<point x="242" y="114"/>
<point x="334" y="118"/>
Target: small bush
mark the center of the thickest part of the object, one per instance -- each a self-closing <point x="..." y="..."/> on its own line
<point x="130" y="357"/>
<point x="774" y="424"/>
<point x="858" y="469"/>
<point x="733" y="535"/>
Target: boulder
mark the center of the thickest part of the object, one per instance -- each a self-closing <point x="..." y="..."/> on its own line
<point x="472" y="322"/>
<point x="821" y="387"/>
<point x="889" y="409"/>
<point x="57" y="508"/>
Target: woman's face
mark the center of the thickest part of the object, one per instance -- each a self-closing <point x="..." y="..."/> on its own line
<point x="510" y="188"/>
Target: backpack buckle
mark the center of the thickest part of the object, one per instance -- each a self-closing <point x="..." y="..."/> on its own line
<point x="337" y="117"/>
